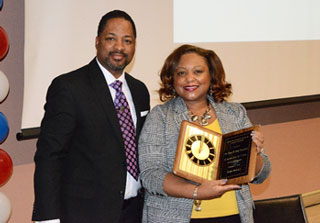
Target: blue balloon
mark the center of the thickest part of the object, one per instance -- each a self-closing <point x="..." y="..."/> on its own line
<point x="0" y="4"/>
<point x="4" y="127"/>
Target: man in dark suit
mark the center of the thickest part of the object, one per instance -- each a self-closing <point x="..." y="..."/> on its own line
<point x="81" y="173"/>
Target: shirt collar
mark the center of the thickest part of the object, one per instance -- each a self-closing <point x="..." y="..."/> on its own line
<point x="108" y="76"/>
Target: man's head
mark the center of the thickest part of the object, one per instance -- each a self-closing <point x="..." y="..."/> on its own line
<point x="116" y="14"/>
<point x="115" y="42"/>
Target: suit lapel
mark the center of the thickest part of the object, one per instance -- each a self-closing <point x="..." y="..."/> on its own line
<point x="104" y="97"/>
<point x="225" y="117"/>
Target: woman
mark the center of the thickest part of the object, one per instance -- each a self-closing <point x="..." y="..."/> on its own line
<point x="193" y="85"/>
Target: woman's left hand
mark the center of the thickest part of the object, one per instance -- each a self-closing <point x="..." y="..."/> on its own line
<point x="258" y="139"/>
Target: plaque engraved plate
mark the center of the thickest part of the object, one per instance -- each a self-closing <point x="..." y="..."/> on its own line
<point x="203" y="154"/>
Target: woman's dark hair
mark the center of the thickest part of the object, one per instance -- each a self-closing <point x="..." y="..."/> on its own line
<point x="220" y="89"/>
<point x="116" y="14"/>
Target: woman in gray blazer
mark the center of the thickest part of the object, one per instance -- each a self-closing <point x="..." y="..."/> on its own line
<point x="193" y="88"/>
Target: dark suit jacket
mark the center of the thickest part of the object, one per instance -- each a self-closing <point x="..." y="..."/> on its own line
<point x="80" y="173"/>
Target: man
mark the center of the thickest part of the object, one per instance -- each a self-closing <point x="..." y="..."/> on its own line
<point x="81" y="174"/>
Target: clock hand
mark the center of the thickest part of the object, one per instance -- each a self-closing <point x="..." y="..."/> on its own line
<point x="201" y="144"/>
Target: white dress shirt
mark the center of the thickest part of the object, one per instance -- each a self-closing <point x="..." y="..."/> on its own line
<point x="132" y="186"/>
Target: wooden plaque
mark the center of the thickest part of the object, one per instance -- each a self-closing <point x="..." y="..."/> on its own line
<point x="203" y="154"/>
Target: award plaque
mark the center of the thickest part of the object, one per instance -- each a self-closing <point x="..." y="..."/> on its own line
<point x="203" y="154"/>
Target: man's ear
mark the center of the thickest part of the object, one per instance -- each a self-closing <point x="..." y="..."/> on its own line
<point x="97" y="42"/>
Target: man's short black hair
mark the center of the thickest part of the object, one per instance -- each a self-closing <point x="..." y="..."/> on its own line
<point x="115" y="14"/>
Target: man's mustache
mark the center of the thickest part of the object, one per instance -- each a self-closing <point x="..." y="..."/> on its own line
<point x="118" y="52"/>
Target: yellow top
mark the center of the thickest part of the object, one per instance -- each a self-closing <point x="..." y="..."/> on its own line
<point x="218" y="207"/>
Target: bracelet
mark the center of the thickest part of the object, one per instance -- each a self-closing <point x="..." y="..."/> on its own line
<point x="195" y="193"/>
<point x="196" y="202"/>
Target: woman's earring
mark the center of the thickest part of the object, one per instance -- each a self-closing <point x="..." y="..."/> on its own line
<point x="211" y="90"/>
<point x="174" y="93"/>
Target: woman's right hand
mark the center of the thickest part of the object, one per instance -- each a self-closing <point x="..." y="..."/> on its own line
<point x="214" y="189"/>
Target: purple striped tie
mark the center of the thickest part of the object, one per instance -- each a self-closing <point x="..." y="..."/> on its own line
<point x="127" y="129"/>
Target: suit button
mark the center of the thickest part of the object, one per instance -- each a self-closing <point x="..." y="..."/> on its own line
<point x="121" y="193"/>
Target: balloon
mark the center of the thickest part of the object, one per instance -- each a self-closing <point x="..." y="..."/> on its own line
<point x="5" y="208"/>
<point x="4" y="128"/>
<point x="4" y="43"/>
<point x="4" y="86"/>
<point x="0" y="4"/>
<point x="5" y="167"/>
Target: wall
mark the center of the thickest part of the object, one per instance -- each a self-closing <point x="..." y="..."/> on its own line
<point x="293" y="149"/>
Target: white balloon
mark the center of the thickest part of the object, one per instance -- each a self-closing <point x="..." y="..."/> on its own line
<point x="5" y="208"/>
<point x="4" y="87"/>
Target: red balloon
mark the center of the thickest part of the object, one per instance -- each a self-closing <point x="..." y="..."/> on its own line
<point x="5" y="167"/>
<point x="4" y="43"/>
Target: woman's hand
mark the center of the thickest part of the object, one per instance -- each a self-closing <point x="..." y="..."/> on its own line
<point x="214" y="189"/>
<point x="258" y="139"/>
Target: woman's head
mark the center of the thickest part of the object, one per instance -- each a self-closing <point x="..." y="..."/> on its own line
<point x="219" y="88"/>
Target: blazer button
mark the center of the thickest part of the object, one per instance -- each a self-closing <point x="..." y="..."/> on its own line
<point x="121" y="193"/>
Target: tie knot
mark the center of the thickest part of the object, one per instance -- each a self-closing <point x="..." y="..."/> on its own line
<point x="117" y="85"/>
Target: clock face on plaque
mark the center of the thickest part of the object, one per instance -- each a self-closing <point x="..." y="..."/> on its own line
<point x="200" y="150"/>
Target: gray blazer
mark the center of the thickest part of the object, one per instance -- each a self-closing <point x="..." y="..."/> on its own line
<point x="157" y="148"/>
